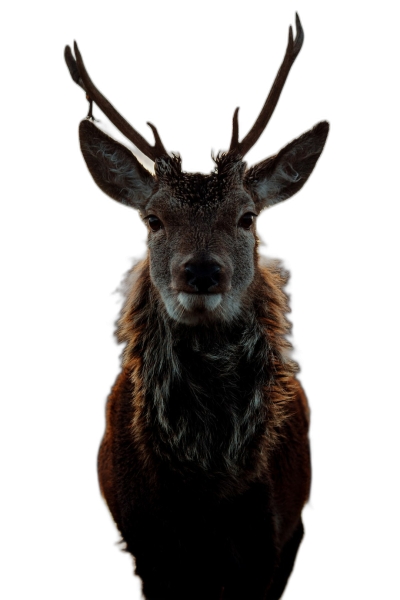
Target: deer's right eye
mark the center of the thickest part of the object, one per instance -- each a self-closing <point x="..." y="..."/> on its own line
<point x="155" y="223"/>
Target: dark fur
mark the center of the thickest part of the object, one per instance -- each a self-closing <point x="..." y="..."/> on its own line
<point x="221" y="515"/>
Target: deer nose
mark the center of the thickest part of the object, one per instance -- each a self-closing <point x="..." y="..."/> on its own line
<point x="202" y="276"/>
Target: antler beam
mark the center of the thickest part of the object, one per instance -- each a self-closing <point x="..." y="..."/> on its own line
<point x="292" y="50"/>
<point x="81" y="77"/>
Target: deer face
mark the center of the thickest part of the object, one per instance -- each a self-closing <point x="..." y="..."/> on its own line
<point x="202" y="239"/>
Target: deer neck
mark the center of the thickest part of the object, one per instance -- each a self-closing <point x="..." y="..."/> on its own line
<point x="211" y="394"/>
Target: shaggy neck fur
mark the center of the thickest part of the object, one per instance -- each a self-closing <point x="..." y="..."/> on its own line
<point x="212" y="396"/>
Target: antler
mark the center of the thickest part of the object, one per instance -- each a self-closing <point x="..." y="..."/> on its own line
<point x="81" y="77"/>
<point x="292" y="50"/>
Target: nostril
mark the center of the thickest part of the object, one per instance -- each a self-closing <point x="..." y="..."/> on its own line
<point x="190" y="269"/>
<point x="190" y="276"/>
<point x="214" y="275"/>
<point x="214" y="270"/>
<point x="202" y="277"/>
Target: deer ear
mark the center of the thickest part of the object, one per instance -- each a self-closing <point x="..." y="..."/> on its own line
<point x="114" y="168"/>
<point x="279" y="177"/>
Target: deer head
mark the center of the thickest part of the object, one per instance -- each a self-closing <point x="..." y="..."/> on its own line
<point x="202" y="237"/>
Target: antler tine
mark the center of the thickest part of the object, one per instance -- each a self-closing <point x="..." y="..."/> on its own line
<point x="251" y="138"/>
<point x="79" y="74"/>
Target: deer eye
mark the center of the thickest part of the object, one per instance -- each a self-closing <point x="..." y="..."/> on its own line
<point x="155" y="223"/>
<point x="246" y="221"/>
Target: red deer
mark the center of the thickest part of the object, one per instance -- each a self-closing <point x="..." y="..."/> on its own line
<point x="205" y="462"/>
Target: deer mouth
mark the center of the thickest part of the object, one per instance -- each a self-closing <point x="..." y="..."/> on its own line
<point x="210" y="308"/>
<point x="196" y="302"/>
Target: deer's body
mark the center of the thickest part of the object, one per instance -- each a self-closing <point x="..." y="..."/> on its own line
<point x="205" y="462"/>
<point x="204" y="487"/>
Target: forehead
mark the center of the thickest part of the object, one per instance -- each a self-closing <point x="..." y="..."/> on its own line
<point x="199" y="194"/>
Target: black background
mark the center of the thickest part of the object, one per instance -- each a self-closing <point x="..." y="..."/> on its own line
<point x="186" y="70"/>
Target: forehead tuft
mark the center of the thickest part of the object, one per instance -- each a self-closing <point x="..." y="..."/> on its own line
<point x="198" y="188"/>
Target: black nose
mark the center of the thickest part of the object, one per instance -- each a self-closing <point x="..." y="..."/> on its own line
<point x="202" y="276"/>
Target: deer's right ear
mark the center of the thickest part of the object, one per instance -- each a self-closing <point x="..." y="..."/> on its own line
<point x="114" y="168"/>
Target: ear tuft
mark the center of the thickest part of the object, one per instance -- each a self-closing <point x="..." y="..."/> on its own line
<point x="114" y="168"/>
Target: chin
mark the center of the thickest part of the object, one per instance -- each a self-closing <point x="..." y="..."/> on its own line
<point x="196" y="309"/>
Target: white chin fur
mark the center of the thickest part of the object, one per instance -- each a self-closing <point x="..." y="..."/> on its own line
<point x="195" y="302"/>
<point x="192" y="309"/>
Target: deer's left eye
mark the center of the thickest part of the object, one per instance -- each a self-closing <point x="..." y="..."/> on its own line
<point x="155" y="223"/>
<point x="246" y="221"/>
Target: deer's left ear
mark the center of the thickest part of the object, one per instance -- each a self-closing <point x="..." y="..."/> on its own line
<point x="279" y="177"/>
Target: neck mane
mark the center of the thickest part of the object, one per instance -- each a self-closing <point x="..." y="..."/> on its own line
<point x="212" y="396"/>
